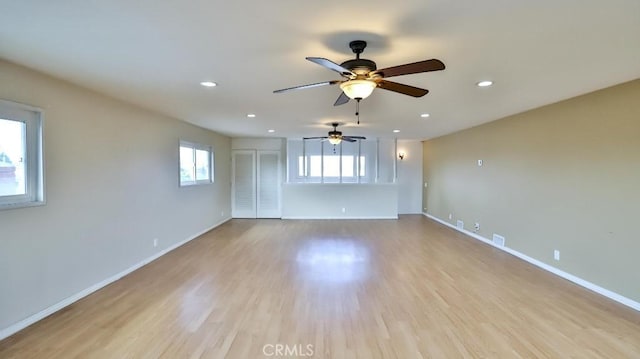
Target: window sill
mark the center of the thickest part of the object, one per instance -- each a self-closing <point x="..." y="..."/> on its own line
<point x="183" y="185"/>
<point x="8" y="206"/>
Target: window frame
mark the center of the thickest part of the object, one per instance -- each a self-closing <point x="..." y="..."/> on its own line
<point x="358" y="168"/>
<point x="211" y="160"/>
<point x="33" y="118"/>
<point x="304" y="159"/>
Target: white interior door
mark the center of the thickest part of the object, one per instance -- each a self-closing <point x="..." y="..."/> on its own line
<point x="268" y="198"/>
<point x="243" y="187"/>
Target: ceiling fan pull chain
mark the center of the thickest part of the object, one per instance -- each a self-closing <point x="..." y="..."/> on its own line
<point x="358" y="110"/>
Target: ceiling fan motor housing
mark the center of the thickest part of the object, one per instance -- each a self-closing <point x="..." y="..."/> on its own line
<point x="335" y="133"/>
<point x="359" y="66"/>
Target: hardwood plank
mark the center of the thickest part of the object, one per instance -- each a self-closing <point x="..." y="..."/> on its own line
<point x="410" y="288"/>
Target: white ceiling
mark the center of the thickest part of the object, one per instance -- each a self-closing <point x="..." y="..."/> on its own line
<point x="155" y="54"/>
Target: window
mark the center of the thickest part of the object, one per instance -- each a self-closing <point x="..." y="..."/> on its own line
<point x="314" y="161"/>
<point x="21" y="167"/>
<point x="331" y="166"/>
<point x="196" y="164"/>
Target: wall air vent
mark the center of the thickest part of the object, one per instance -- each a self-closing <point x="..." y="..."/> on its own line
<point x="498" y="240"/>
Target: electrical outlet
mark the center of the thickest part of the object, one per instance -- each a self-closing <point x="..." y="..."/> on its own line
<point x="344" y="210"/>
<point x="460" y="224"/>
<point x="476" y="226"/>
<point x="450" y="216"/>
<point x="425" y="185"/>
<point x="556" y="254"/>
<point x="155" y="242"/>
<point x="221" y="213"/>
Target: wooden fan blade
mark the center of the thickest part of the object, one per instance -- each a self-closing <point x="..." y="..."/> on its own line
<point x="308" y="86"/>
<point x="342" y="99"/>
<point x="413" y="68"/>
<point x="348" y="139"/>
<point x="355" y="137"/>
<point x="331" y="66"/>
<point x="402" y="88"/>
<point x="314" y="138"/>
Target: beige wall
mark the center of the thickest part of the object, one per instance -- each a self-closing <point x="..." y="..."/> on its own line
<point x="565" y="176"/>
<point x="410" y="177"/>
<point x="111" y="188"/>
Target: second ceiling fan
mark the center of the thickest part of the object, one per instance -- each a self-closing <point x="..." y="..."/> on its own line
<point x="361" y="76"/>
<point x="335" y="137"/>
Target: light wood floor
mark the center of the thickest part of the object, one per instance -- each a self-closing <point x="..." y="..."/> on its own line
<point x="350" y="289"/>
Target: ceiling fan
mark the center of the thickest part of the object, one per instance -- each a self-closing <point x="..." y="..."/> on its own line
<point x="335" y="136"/>
<point x="361" y="76"/>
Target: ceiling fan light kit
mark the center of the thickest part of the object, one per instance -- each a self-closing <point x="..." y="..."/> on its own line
<point x="335" y="140"/>
<point x="335" y="136"/>
<point x="358" y="89"/>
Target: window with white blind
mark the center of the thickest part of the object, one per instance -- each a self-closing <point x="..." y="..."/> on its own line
<point x="196" y="164"/>
<point x="21" y="157"/>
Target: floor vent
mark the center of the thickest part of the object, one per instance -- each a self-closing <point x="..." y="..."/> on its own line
<point x="498" y="240"/>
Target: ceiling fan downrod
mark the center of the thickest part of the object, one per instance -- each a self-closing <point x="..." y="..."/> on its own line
<point x="357" y="46"/>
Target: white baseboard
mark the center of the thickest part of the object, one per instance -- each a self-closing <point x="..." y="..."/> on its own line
<point x="14" y="328"/>
<point x="341" y="217"/>
<point x="568" y="276"/>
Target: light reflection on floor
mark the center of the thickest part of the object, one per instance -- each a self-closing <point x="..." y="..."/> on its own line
<point x="333" y="260"/>
<point x="196" y="303"/>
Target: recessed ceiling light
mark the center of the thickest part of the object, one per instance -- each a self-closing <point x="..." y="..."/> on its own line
<point x="271" y="131"/>
<point x="396" y="131"/>
<point x="251" y="115"/>
<point x="484" y="83"/>
<point x="208" y="84"/>
<point x="425" y="115"/>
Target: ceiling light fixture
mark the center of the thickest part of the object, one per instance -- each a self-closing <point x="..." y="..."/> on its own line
<point x="425" y="115"/>
<point x="335" y="136"/>
<point x="396" y="131"/>
<point x="484" y="83"/>
<point x="208" y="84"/>
<point x="251" y="115"/>
<point x="335" y="140"/>
<point x="271" y="131"/>
<point x="358" y="89"/>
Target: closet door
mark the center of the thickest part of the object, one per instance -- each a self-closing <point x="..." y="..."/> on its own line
<point x="268" y="198"/>
<point x="243" y="188"/>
